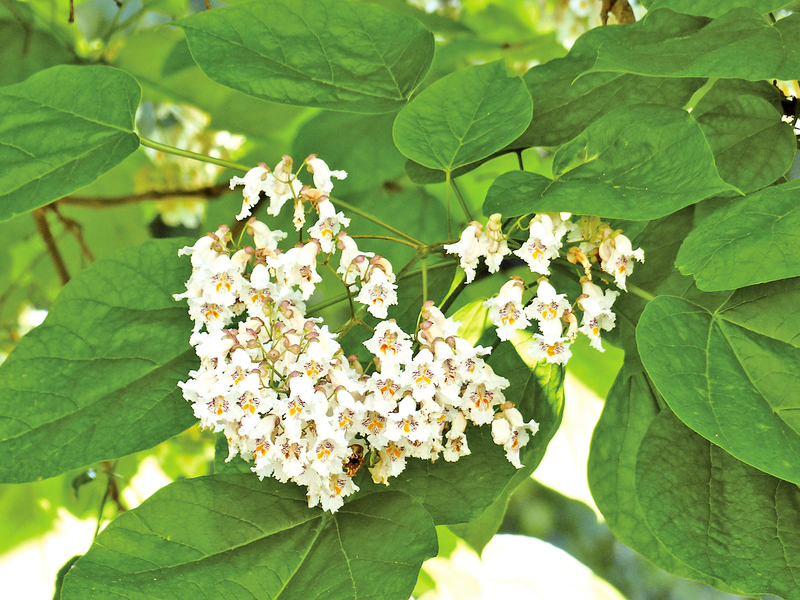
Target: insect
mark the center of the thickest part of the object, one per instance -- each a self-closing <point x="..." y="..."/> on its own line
<point x="355" y="461"/>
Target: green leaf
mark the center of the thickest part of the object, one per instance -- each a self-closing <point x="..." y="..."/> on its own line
<point x="332" y="54"/>
<point x="637" y="162"/>
<point x="566" y="104"/>
<point x="741" y="44"/>
<point x="714" y="8"/>
<point x="480" y="532"/>
<point x="747" y="241"/>
<point x="369" y="157"/>
<point x="732" y="374"/>
<point x="463" y="117"/>
<point x="742" y="123"/>
<point x="26" y="50"/>
<point x="514" y="194"/>
<point x="233" y="536"/>
<point x="97" y="380"/>
<point x="717" y="514"/>
<point x="62" y="128"/>
<point x="631" y="405"/>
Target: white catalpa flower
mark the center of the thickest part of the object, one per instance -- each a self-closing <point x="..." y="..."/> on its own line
<point x="377" y="293"/>
<point x="552" y="348"/>
<point x="469" y="248"/>
<point x="597" y="315"/>
<point x="253" y="182"/>
<point x="506" y="311"/>
<point x="542" y="245"/>
<point x="322" y="174"/>
<point x="497" y="246"/>
<point x="328" y="225"/>
<point x="281" y="186"/>
<point x="548" y="308"/>
<point x="390" y="344"/>
<point x="617" y="258"/>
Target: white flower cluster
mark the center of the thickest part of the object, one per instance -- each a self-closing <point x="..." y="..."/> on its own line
<point x="554" y="314"/>
<point x="280" y="387"/>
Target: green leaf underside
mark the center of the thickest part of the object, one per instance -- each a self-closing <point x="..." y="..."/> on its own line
<point x="97" y="380"/>
<point x="566" y="104"/>
<point x="629" y="409"/>
<point x="61" y="129"/>
<point x="718" y="514"/>
<point x="639" y="163"/>
<point x="715" y="8"/>
<point x="749" y="241"/>
<point x="352" y="57"/>
<point x="741" y="44"/>
<point x="742" y="123"/>
<point x="234" y="536"/>
<point x="733" y="374"/>
<point x="26" y="50"/>
<point x="463" y="117"/>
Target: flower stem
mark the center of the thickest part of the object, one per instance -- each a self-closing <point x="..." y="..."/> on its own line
<point x="637" y="291"/>
<point x="193" y="155"/>
<point x="383" y="237"/>
<point x="369" y="217"/>
<point x="424" y="279"/>
<point x="461" y="200"/>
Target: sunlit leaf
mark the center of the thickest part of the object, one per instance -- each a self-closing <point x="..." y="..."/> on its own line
<point x="61" y="129"/>
<point x="716" y="513"/>
<point x="639" y="163"/>
<point x="742" y="123"/>
<point x="741" y="44"/>
<point x="330" y="54"/>
<point x="745" y="242"/>
<point x="97" y="380"/>
<point x="236" y="536"/>
<point x="732" y="373"/>
<point x="714" y="8"/>
<point x="629" y="409"/>
<point x="463" y="117"/>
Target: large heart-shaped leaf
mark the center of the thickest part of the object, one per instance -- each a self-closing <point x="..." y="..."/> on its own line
<point x="61" y="129"/>
<point x="566" y="104"/>
<point x="463" y="117"/>
<point x="233" y="536"/>
<point x="333" y="54"/>
<point x="630" y="407"/>
<point x="638" y="162"/>
<point x="741" y="44"/>
<point x="732" y="374"/>
<point x="748" y="241"/>
<point x="715" y="8"/>
<point x="721" y="516"/>
<point x="97" y="380"/>
<point x="742" y="123"/>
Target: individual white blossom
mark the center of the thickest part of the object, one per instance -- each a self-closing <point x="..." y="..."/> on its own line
<point x="322" y="174"/>
<point x="506" y="311"/>
<point x="544" y="241"/>
<point x="617" y="258"/>
<point x="469" y="248"/>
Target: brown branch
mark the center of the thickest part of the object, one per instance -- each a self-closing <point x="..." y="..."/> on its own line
<point x="76" y="229"/>
<point x="213" y="191"/>
<point x="620" y="9"/>
<point x="71" y="11"/>
<point x="40" y="218"/>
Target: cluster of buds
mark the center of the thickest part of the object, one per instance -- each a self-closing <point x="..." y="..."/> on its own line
<point x="278" y="383"/>
<point x="597" y="244"/>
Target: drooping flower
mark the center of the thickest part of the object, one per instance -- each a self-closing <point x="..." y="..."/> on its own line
<point x="469" y="248"/>
<point x="542" y="245"/>
<point x="597" y="315"/>
<point x="497" y="243"/>
<point x="617" y="258"/>
<point x="322" y="174"/>
<point x="506" y="310"/>
<point x="254" y="183"/>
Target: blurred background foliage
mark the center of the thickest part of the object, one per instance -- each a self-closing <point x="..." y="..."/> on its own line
<point x="182" y="107"/>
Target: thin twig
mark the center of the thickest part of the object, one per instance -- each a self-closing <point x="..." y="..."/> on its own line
<point x="209" y="192"/>
<point x="76" y="229"/>
<point x="43" y="227"/>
